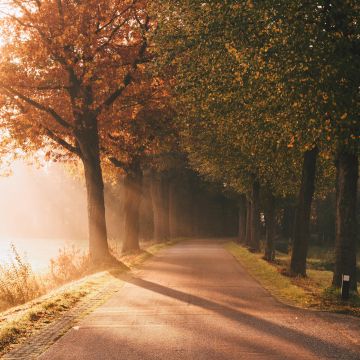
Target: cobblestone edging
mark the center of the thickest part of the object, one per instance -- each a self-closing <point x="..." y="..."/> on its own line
<point x="38" y="343"/>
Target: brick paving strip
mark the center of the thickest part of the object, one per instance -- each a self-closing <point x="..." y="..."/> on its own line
<point x="38" y="343"/>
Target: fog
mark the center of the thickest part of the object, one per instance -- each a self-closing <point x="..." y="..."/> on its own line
<point x="42" y="209"/>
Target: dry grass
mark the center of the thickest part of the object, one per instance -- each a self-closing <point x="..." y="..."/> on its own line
<point x="69" y="265"/>
<point x="17" y="324"/>
<point x="313" y="292"/>
<point x="12" y="332"/>
<point x="18" y="283"/>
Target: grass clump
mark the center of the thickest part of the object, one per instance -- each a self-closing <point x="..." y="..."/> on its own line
<point x="313" y="291"/>
<point x="70" y="264"/>
<point x="18" y="283"/>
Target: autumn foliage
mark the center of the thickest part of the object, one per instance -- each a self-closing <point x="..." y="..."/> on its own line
<point x="63" y="70"/>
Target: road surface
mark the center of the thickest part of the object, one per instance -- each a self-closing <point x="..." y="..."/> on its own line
<point x="194" y="301"/>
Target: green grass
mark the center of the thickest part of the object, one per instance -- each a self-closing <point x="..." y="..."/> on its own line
<point x="269" y="276"/>
<point x="313" y="292"/>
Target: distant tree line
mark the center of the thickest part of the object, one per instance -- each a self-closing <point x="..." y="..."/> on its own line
<point x="258" y="97"/>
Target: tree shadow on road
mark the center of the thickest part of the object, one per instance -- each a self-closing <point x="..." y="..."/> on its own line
<point x="286" y="335"/>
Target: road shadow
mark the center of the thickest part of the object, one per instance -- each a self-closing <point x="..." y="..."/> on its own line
<point x="317" y="346"/>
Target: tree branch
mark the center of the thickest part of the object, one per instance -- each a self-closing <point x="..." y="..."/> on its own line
<point x="39" y="106"/>
<point x="61" y="12"/>
<point x="117" y="163"/>
<point x="128" y="77"/>
<point x="62" y="142"/>
<point x="116" y="16"/>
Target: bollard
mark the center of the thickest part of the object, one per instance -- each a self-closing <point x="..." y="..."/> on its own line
<point x="345" y="287"/>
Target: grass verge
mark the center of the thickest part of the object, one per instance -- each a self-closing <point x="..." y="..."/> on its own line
<point x="312" y="292"/>
<point x="19" y="323"/>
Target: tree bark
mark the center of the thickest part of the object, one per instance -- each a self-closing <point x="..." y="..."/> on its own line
<point x="255" y="217"/>
<point x="160" y="195"/>
<point x="346" y="222"/>
<point x="88" y="142"/>
<point x="270" y="212"/>
<point x="146" y="213"/>
<point x="133" y="188"/>
<point x="175" y="210"/>
<point x="302" y="216"/>
<point x="242" y="219"/>
<point x="287" y="224"/>
<point x="248" y="223"/>
<point x="325" y="220"/>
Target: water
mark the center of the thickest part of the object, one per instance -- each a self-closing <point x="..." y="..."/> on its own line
<point x="38" y="251"/>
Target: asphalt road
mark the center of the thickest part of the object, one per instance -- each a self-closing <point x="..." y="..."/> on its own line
<point x="194" y="301"/>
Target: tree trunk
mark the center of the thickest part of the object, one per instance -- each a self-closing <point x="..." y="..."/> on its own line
<point x="242" y="219"/>
<point x="287" y="223"/>
<point x="146" y="213"/>
<point x="302" y="216"/>
<point x="133" y="187"/>
<point x="176" y="218"/>
<point x="248" y="223"/>
<point x="186" y="205"/>
<point x="270" y="213"/>
<point x="89" y="146"/>
<point x="346" y="221"/>
<point x="255" y="217"/>
<point x="160" y="195"/>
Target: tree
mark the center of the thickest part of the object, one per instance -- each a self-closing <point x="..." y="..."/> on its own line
<point x="63" y="68"/>
<point x="137" y="137"/>
<point x="220" y="108"/>
<point x="262" y="87"/>
<point x="302" y="216"/>
<point x="346" y="222"/>
<point x="242" y="219"/>
<point x="320" y="51"/>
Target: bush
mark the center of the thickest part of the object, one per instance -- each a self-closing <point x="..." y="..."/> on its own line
<point x="18" y="283"/>
<point x="70" y="264"/>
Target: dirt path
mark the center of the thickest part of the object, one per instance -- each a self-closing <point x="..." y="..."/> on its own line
<point x="194" y="301"/>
